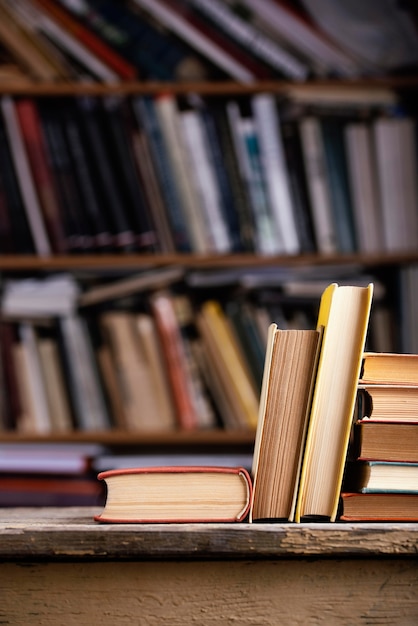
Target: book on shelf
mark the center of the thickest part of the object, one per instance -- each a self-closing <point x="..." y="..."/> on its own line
<point x="39" y="161"/>
<point x="382" y="477"/>
<point x="49" y="490"/>
<point x="246" y="34"/>
<point x="227" y="361"/>
<point x="292" y="25"/>
<point x="179" y="19"/>
<point x="395" y="149"/>
<point x="147" y="44"/>
<point x="386" y="441"/>
<point x="382" y="507"/>
<point x="176" y="494"/>
<point x="288" y="380"/>
<point x="268" y="129"/>
<point x="389" y="368"/>
<point x="362" y="175"/>
<point x="344" y="317"/>
<point x="24" y="177"/>
<point x="175" y="356"/>
<point x="201" y="168"/>
<point x="146" y="399"/>
<point x="84" y="43"/>
<point x="387" y="402"/>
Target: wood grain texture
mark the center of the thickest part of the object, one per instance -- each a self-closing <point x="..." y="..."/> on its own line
<point x="71" y="533"/>
<point x="289" y="592"/>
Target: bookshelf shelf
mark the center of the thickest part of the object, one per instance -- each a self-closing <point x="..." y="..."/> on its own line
<point x="217" y="88"/>
<point x="16" y="263"/>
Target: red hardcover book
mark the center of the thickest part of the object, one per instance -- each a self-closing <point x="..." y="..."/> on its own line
<point x="183" y="494"/>
<point x="175" y="358"/>
<point x="105" y="53"/>
<point x="37" y="151"/>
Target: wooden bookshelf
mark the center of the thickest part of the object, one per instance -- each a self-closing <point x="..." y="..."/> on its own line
<point x="59" y="562"/>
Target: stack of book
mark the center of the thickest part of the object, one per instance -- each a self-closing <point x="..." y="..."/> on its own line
<point x="381" y="481"/>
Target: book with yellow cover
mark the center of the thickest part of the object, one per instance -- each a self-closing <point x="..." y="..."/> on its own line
<point x="344" y="317"/>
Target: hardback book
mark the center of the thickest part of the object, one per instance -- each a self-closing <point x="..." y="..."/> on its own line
<point x="382" y="507"/>
<point x="389" y="368"/>
<point x="386" y="441"/>
<point x="381" y="477"/>
<point x="269" y="133"/>
<point x="393" y="403"/>
<point x="39" y="161"/>
<point x="262" y="46"/>
<point x="228" y="362"/>
<point x="288" y="381"/>
<point x="24" y="177"/>
<point x="179" y="494"/>
<point x="318" y="184"/>
<point x="344" y="317"/>
<point x="362" y="175"/>
<point x="86" y="43"/>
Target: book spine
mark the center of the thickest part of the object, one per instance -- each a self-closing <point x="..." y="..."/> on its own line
<point x="36" y="147"/>
<point x="248" y="36"/>
<point x="24" y="176"/>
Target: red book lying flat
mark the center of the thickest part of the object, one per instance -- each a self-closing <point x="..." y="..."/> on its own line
<point x="176" y="494"/>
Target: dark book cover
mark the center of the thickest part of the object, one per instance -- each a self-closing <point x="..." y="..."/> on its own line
<point x="146" y="117"/>
<point x="298" y="184"/>
<point x="333" y="136"/>
<point x="78" y="230"/>
<point x="108" y="187"/>
<point x="21" y="238"/>
<point x="119" y="135"/>
<point x="153" y="50"/>
<point x="242" y="201"/>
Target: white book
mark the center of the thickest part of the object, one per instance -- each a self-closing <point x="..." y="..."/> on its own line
<point x="396" y="167"/>
<point x="267" y="239"/>
<point x="361" y="163"/>
<point x="25" y="178"/>
<point x="177" y="24"/>
<point x="295" y="30"/>
<point x="87" y="394"/>
<point x="274" y="164"/>
<point x="318" y="186"/>
<point x="203" y="174"/>
<point x="35" y="379"/>
<point x="169" y="120"/>
<point x="262" y="46"/>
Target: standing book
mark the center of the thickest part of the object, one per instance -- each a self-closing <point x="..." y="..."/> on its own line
<point x="288" y="381"/>
<point x="344" y="316"/>
<point x="176" y="494"/>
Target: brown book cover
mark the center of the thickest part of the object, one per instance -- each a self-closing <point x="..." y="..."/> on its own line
<point x="382" y="507"/>
<point x="386" y="441"/>
<point x="183" y="494"/>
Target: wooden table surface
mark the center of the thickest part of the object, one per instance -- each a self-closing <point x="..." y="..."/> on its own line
<point x="60" y="567"/>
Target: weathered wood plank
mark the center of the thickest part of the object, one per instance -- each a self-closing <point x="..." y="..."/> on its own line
<point x="57" y="534"/>
<point x="258" y="593"/>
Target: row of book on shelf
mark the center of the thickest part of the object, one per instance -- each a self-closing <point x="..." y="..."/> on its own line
<point x="112" y="41"/>
<point x="155" y="351"/>
<point x="335" y="439"/>
<point x="214" y="175"/>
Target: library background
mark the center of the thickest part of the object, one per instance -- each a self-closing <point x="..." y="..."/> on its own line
<point x="175" y="176"/>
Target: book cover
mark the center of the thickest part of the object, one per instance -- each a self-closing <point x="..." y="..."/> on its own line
<point x="379" y="507"/>
<point x="386" y="441"/>
<point x="344" y="316"/>
<point x="288" y="380"/>
<point x="179" y="494"/>
<point x="389" y="368"/>
<point x="37" y="151"/>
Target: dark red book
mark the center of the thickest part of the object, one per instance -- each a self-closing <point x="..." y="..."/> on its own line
<point x="37" y="151"/>
<point x="184" y="494"/>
